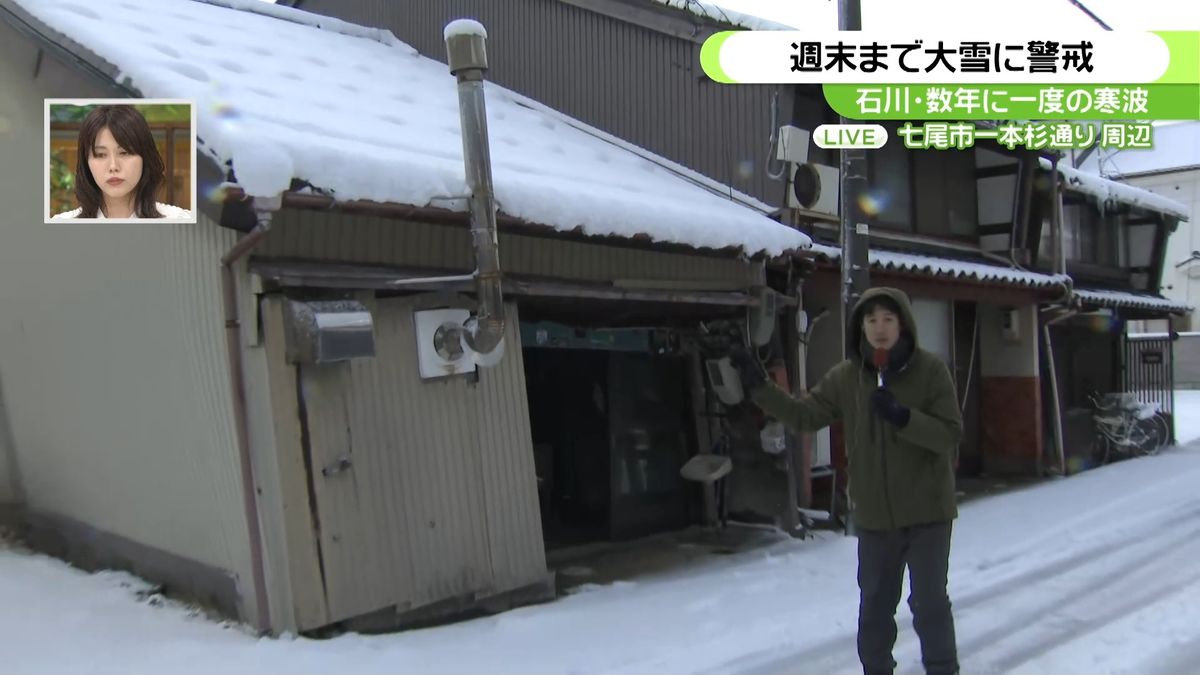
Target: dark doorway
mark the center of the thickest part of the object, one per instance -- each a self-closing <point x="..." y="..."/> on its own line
<point x="650" y="444"/>
<point x="568" y="414"/>
<point x="610" y="433"/>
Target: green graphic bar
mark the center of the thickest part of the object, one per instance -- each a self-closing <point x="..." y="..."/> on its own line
<point x="1184" y="67"/>
<point x="871" y="102"/>
<point x="710" y="56"/>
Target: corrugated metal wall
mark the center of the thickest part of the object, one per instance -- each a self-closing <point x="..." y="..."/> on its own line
<point x="116" y="382"/>
<point x="111" y="352"/>
<point x="641" y="85"/>
<point x="439" y="500"/>
<point x="365" y="239"/>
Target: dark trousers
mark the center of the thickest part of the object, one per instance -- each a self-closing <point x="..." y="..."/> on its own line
<point x="882" y="557"/>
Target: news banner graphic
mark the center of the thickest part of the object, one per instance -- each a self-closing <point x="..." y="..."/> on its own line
<point x="1032" y="91"/>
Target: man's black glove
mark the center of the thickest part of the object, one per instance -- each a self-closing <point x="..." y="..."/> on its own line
<point x="887" y="407"/>
<point x="751" y="371"/>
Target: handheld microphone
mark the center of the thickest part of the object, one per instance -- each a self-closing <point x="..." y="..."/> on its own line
<point x="880" y="359"/>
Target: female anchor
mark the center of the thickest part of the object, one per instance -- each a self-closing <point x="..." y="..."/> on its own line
<point x="119" y="168"/>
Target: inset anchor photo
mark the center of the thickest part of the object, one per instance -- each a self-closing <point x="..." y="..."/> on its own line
<point x="120" y="161"/>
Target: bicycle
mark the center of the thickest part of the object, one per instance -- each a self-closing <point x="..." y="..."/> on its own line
<point x="1126" y="427"/>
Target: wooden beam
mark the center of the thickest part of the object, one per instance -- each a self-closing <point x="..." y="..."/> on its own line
<point x="506" y="223"/>
<point x="312" y="274"/>
<point x="1085" y="271"/>
<point x="301" y="544"/>
<point x="996" y="228"/>
<point x="997" y="170"/>
<point x="576" y="290"/>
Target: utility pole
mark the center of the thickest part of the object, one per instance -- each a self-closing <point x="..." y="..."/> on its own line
<point x="856" y="270"/>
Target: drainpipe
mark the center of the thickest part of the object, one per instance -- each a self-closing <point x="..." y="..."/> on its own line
<point x="1060" y="269"/>
<point x="237" y="379"/>
<point x="1060" y="254"/>
<point x="1054" y="395"/>
<point x="1018" y="211"/>
<point x="802" y="386"/>
<point x="466" y="51"/>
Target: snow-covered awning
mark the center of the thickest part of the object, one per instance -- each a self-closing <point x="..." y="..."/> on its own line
<point x="284" y="94"/>
<point x="1119" y="299"/>
<point x="950" y="268"/>
<point x="1110" y="190"/>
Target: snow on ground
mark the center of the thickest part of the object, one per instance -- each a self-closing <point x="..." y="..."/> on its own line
<point x="1091" y="574"/>
<point x="1187" y="416"/>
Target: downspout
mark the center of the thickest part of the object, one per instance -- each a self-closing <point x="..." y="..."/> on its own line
<point x="1027" y="168"/>
<point x="1060" y="270"/>
<point x="1056" y="218"/>
<point x="1018" y="212"/>
<point x="1054" y="395"/>
<point x="466" y="52"/>
<point x="237" y="379"/>
<point x="799" y="382"/>
<point x="802" y="386"/>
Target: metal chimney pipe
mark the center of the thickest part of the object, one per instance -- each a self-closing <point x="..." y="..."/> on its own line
<point x="466" y="52"/>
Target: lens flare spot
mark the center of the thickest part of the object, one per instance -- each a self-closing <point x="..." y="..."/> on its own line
<point x="225" y="110"/>
<point x="873" y="203"/>
<point x="215" y="194"/>
<point x="745" y="169"/>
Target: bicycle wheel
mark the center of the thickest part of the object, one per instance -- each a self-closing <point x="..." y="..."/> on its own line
<point x="1122" y="443"/>
<point x="1164" y="431"/>
<point x="1146" y="438"/>
<point x="1100" y="449"/>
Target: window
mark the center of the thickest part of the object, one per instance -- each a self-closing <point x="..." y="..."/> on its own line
<point x="927" y="192"/>
<point x="1079" y="231"/>
<point x="946" y="193"/>
<point x="1139" y="242"/>
<point x="1115" y="239"/>
<point x="889" y="185"/>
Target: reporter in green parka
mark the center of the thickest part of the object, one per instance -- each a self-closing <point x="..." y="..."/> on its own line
<point x="902" y="428"/>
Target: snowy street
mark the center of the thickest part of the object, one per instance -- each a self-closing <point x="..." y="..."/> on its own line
<point x="1092" y="574"/>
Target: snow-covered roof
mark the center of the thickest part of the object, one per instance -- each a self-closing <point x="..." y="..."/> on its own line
<point x="1152" y="336"/>
<point x="1106" y="190"/>
<point x="949" y="267"/>
<point x="1107" y="298"/>
<point x="717" y="12"/>
<point x="286" y="94"/>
